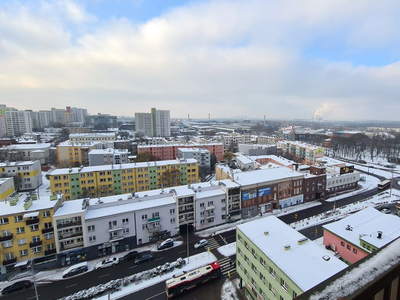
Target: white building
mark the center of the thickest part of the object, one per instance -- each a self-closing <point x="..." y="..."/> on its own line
<point x="92" y="137"/>
<point x="154" y="124"/>
<point x="28" y="172"/>
<point x="235" y="139"/>
<point x="18" y="122"/>
<point x="33" y="152"/>
<point x="203" y="156"/>
<point x="99" y="157"/>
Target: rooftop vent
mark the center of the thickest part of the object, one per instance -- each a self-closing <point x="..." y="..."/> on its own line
<point x="348" y="227"/>
<point x="287" y="247"/>
<point x="302" y="241"/>
<point x="380" y="234"/>
<point x="266" y="232"/>
<point x="326" y="257"/>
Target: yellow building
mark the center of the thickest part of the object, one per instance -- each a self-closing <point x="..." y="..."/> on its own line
<point x="6" y="188"/>
<point x="27" y="173"/>
<point x="74" y="154"/>
<point x="100" y="181"/>
<point x="27" y="231"/>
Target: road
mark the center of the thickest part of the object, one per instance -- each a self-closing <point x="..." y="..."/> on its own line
<point x="59" y="289"/>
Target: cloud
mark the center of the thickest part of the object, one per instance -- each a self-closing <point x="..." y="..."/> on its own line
<point x="225" y="58"/>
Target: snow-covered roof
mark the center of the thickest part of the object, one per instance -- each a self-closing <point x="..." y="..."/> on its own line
<point x="189" y="150"/>
<point x="69" y="207"/>
<point x="42" y="203"/>
<point x="281" y="160"/>
<point x="109" y="150"/>
<point x="182" y="145"/>
<point x="17" y="163"/>
<point x="265" y="175"/>
<point x="365" y="225"/>
<point x="244" y="159"/>
<point x="304" y="264"/>
<point x="121" y="166"/>
<point x="29" y="146"/>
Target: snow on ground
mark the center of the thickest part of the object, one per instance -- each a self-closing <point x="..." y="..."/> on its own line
<point x="229" y="289"/>
<point x="228" y="250"/>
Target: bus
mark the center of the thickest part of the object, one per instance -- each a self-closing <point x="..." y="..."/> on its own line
<point x="191" y="279"/>
<point x="384" y="184"/>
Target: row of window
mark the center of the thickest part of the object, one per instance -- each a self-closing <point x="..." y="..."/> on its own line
<point x="20" y="218"/>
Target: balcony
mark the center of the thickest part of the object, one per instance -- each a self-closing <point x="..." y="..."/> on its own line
<point x="50" y="251"/>
<point x="154" y="229"/>
<point x="32" y="221"/>
<point x="210" y="207"/>
<point x="71" y="246"/>
<point x="69" y="235"/>
<point x="153" y="220"/>
<point x="47" y="230"/>
<point x="185" y="202"/>
<point x="11" y="261"/>
<point x="185" y="211"/>
<point x="35" y="244"/>
<point x="115" y="238"/>
<point x="70" y="224"/>
<point x="6" y="238"/>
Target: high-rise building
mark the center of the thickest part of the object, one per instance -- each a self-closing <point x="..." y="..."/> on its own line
<point x="18" y="122"/>
<point x="154" y="124"/>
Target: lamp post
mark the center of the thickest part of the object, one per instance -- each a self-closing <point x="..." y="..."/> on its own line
<point x="33" y="275"/>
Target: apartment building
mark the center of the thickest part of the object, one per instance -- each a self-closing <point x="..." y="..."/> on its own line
<point x="341" y="179"/>
<point x="6" y="188"/>
<point x="163" y="152"/>
<point x="27" y="232"/>
<point x="18" y="122"/>
<point x="361" y="234"/>
<point x="26" y="152"/>
<point x="99" y="157"/>
<point x="28" y="174"/>
<point x="257" y="149"/>
<point x="101" y="121"/>
<point x="275" y="261"/>
<point x="75" y="154"/>
<point x="154" y="124"/>
<point x="201" y="155"/>
<point x="92" y="137"/>
<point x="100" y="181"/>
<point x="305" y="153"/>
<point x="232" y="139"/>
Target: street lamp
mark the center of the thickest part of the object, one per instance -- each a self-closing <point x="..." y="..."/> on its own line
<point x="33" y="275"/>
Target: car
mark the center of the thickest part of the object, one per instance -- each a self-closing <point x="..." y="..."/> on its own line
<point x="75" y="269"/>
<point x="386" y="210"/>
<point x="143" y="258"/>
<point x="168" y="243"/>
<point x="17" y="286"/>
<point x="200" y="243"/>
<point x="111" y="261"/>
<point x="129" y="256"/>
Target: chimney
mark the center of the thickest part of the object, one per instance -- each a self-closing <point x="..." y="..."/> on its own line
<point x="380" y="234"/>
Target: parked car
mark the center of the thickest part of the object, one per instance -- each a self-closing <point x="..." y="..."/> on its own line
<point x="75" y="269"/>
<point x="200" y="243"/>
<point x="168" y="243"/>
<point x="129" y="256"/>
<point x="144" y="258"/>
<point x="111" y="261"/>
<point x="386" y="210"/>
<point x="17" y="286"/>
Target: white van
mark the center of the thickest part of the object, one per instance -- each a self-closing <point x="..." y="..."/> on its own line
<point x="75" y="269"/>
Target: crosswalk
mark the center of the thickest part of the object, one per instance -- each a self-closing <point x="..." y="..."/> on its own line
<point x="212" y="244"/>
<point x="227" y="266"/>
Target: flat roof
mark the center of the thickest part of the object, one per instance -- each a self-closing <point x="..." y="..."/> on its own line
<point x="42" y="203"/>
<point x="121" y="166"/>
<point x="365" y="225"/>
<point x="265" y="175"/>
<point x="304" y="264"/>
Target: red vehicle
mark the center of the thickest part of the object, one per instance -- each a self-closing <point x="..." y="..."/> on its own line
<point x="189" y="280"/>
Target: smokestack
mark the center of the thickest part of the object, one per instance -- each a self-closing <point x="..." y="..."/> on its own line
<point x="264" y="120"/>
<point x="209" y="120"/>
<point x="188" y="117"/>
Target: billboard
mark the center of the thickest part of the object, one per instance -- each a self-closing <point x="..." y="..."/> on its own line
<point x="347" y="169"/>
<point x="264" y="192"/>
<point x="249" y="195"/>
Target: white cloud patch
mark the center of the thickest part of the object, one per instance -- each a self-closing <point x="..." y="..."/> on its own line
<point x="225" y="58"/>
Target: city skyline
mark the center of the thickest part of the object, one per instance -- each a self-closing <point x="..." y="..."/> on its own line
<point x="337" y="60"/>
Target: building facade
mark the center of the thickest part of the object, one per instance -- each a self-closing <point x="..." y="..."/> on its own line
<point x="27" y="175"/>
<point x="99" y="157"/>
<point x="199" y="154"/>
<point x="154" y="124"/>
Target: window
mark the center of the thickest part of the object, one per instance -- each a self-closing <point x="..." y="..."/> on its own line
<point x="271" y="289"/>
<point x="49" y="236"/>
<point x="7" y="244"/>
<point x="144" y="226"/>
<point x="21" y="241"/>
<point x="172" y="220"/>
<point x="355" y="250"/>
<point x="144" y="217"/>
<point x="201" y="205"/>
<point x="18" y="219"/>
<point x="23" y="252"/>
<point x="48" y="225"/>
<point x="126" y="230"/>
<point x="20" y="230"/>
<point x="294" y="294"/>
<point x="254" y="268"/>
<point x="46" y="214"/>
<point x="92" y="238"/>
<point x="156" y="215"/>
<point x="112" y="224"/>
<point x="254" y="253"/>
<point x="3" y="220"/>
<point x="262" y="262"/>
<point x="272" y="272"/>
<point x="172" y="211"/>
<point x="34" y="227"/>
<point x="348" y="247"/>
<point x="284" y="284"/>
<point x="262" y="277"/>
<point x="342" y="243"/>
<point x="91" y="228"/>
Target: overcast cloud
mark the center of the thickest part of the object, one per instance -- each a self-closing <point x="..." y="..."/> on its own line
<point x="281" y="59"/>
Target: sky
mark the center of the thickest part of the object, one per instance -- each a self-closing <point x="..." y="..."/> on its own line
<point x="288" y="59"/>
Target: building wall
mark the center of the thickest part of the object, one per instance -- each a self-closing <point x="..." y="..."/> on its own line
<point x="30" y="174"/>
<point x="350" y="252"/>
<point x="6" y="188"/>
<point x="260" y="277"/>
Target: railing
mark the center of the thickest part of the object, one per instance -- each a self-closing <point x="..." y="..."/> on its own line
<point x="70" y="246"/>
<point x="6" y="238"/>
<point x="70" y="224"/>
<point x="32" y="221"/>
<point x="50" y="251"/>
<point x="11" y="261"/>
<point x="154" y="229"/>
<point x="69" y="235"/>
<point x="35" y="244"/>
<point x="47" y="230"/>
